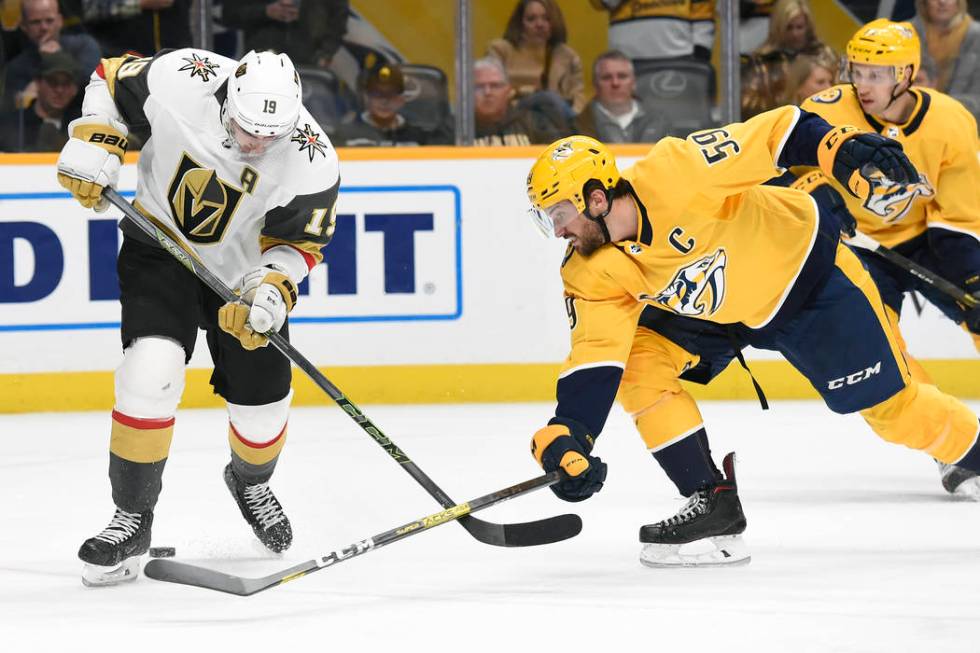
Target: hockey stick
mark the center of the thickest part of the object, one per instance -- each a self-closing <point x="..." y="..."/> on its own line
<point x="543" y="531"/>
<point x="865" y="241"/>
<point x="173" y="571"/>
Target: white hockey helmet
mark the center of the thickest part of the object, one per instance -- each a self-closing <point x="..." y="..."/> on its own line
<point x="264" y="94"/>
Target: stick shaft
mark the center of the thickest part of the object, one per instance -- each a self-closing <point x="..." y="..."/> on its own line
<point x="919" y="271"/>
<point x="180" y="252"/>
<point x="173" y="571"/>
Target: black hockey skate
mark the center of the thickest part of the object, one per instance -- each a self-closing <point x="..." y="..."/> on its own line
<point x="959" y="481"/>
<point x="705" y="532"/>
<point x="262" y="511"/>
<point x="113" y="556"/>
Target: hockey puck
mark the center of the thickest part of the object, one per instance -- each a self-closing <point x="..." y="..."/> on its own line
<point x="162" y="551"/>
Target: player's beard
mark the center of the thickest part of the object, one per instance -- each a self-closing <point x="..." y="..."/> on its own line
<point x="590" y="240"/>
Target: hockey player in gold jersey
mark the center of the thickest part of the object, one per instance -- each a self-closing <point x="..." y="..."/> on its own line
<point x="689" y="231"/>
<point x="935" y="220"/>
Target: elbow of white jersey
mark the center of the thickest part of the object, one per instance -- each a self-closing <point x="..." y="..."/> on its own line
<point x="98" y="101"/>
<point x="289" y="259"/>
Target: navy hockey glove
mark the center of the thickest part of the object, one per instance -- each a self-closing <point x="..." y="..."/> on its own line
<point x="828" y="199"/>
<point x="853" y="158"/>
<point x="972" y="316"/>
<point x="566" y="447"/>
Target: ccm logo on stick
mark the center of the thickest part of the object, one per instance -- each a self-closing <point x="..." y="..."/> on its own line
<point x="855" y="377"/>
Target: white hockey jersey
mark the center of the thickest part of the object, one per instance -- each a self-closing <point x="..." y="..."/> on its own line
<point x="236" y="213"/>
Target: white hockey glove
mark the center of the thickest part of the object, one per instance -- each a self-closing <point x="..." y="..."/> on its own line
<point x="91" y="159"/>
<point x="268" y="294"/>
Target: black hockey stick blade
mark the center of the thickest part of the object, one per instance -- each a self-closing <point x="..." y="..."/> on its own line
<point x="532" y="533"/>
<point x="173" y="571"/>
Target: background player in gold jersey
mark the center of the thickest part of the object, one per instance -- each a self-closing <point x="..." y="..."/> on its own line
<point x="934" y="221"/>
<point x="691" y="231"/>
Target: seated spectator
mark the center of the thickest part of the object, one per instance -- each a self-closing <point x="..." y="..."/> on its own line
<point x="380" y="124"/>
<point x="41" y="24"/>
<point x="141" y="26"/>
<point x="498" y="121"/>
<point x="764" y="73"/>
<point x="951" y="49"/>
<point x="310" y="31"/>
<point x="641" y="29"/>
<point x="614" y="115"/>
<point x="42" y="125"/>
<point x="535" y="55"/>
<point x="808" y="75"/>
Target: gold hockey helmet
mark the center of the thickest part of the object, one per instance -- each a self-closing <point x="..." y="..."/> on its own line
<point x="562" y="172"/>
<point x="885" y="43"/>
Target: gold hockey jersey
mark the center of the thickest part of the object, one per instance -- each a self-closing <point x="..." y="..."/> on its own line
<point x="940" y="139"/>
<point x="712" y="243"/>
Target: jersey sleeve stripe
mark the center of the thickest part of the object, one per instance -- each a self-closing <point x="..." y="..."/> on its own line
<point x="309" y="249"/>
<point x="785" y="138"/>
<point x="589" y="366"/>
<point x="933" y="224"/>
<point x="677" y="438"/>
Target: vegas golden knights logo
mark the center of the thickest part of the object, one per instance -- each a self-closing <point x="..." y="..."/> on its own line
<point x="201" y="203"/>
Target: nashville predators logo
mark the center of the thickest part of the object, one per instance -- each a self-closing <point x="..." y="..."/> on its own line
<point x="202" y="204"/>
<point x="562" y="152"/>
<point x="891" y="201"/>
<point x="830" y="96"/>
<point x="697" y="289"/>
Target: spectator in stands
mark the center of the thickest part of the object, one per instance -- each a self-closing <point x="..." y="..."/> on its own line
<point x="952" y="49"/>
<point x="764" y="73"/>
<point x="41" y="126"/>
<point x="536" y="56"/>
<point x="310" y="31"/>
<point x="41" y="24"/>
<point x="614" y="115"/>
<point x="381" y="124"/>
<point x="498" y="121"/>
<point x="808" y="75"/>
<point x="641" y="29"/>
<point x="141" y="26"/>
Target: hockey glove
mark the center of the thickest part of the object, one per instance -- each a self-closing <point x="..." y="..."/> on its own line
<point x="566" y="448"/>
<point x="268" y="295"/>
<point x="858" y="160"/>
<point x="91" y="159"/>
<point x="972" y="316"/>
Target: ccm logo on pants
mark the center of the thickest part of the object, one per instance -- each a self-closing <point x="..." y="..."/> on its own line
<point x="854" y="377"/>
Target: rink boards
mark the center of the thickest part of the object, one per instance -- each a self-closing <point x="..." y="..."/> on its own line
<point x="436" y="288"/>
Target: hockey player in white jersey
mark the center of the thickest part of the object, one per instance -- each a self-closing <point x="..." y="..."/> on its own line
<point x="235" y="167"/>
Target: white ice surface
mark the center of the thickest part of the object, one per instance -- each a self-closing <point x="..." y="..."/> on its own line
<point x="855" y="545"/>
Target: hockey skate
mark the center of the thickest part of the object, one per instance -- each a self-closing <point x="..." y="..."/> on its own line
<point x="959" y="482"/>
<point x="113" y="556"/>
<point x="262" y="511"/>
<point x="706" y="532"/>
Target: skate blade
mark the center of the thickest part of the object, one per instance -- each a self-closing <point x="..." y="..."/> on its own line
<point x="723" y="551"/>
<point x="968" y="489"/>
<point x="99" y="576"/>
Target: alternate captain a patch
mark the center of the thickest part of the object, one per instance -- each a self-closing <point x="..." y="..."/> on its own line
<point x="199" y="67"/>
<point x="309" y="141"/>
